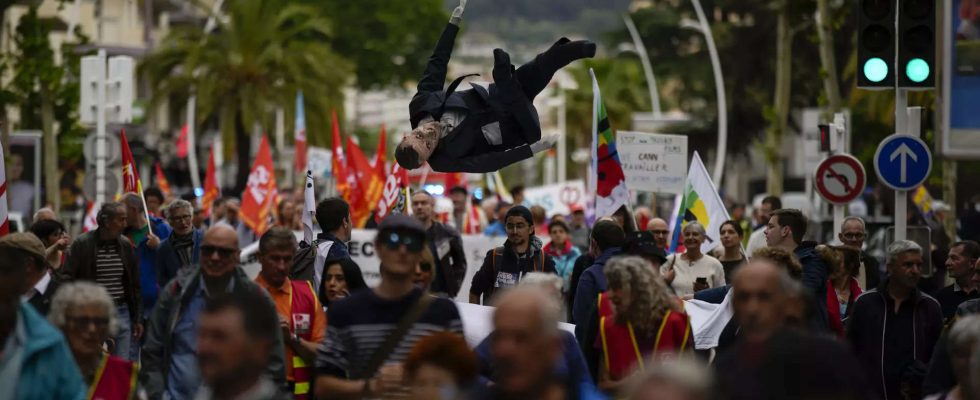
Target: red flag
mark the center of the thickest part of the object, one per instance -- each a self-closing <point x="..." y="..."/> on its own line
<point x="380" y="155"/>
<point x="211" y="190"/>
<point x="299" y="134"/>
<point x="259" y="197"/>
<point x="90" y="222"/>
<point x="162" y="180"/>
<point x="453" y="179"/>
<point x="182" y="142"/>
<point x="4" y="219"/>
<point x="339" y="160"/>
<point x="370" y="185"/>
<point x="130" y="176"/>
<point x="394" y="199"/>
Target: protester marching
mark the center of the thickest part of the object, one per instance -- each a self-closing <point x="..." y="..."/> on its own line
<point x="370" y="255"/>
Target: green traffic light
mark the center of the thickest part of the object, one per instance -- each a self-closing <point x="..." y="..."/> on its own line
<point x="917" y="70"/>
<point x="875" y="69"/>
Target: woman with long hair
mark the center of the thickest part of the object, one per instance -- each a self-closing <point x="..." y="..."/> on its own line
<point x="843" y="288"/>
<point x="341" y="277"/>
<point x="730" y="254"/>
<point x="646" y="322"/>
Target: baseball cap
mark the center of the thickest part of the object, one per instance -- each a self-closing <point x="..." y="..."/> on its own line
<point x="401" y="222"/>
<point x="25" y="241"/>
<point x="642" y="244"/>
<point x="575" y="208"/>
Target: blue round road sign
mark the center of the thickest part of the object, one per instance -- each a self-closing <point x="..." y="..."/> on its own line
<point x="902" y="162"/>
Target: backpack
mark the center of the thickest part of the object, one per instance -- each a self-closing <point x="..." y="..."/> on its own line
<point x="303" y="260"/>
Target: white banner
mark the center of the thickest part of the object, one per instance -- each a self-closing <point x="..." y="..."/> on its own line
<point x="557" y="198"/>
<point x="653" y="162"/>
<point x="319" y="159"/>
<point x="362" y="252"/>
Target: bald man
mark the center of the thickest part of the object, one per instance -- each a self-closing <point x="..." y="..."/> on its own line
<point x="772" y="361"/>
<point x="529" y="357"/>
<point x="169" y="354"/>
<point x="660" y="231"/>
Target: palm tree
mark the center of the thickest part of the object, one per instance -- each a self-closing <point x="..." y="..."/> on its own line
<point x="260" y="54"/>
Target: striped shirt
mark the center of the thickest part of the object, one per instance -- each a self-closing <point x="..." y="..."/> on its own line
<point x="109" y="270"/>
<point x="359" y="324"/>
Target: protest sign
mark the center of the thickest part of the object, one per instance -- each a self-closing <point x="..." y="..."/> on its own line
<point x="557" y="198"/>
<point x="653" y="162"/>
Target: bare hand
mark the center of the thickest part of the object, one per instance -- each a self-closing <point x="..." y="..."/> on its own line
<point x="138" y="331"/>
<point x="62" y="243"/>
<point x="284" y="325"/>
<point x="152" y="241"/>
<point x="669" y="276"/>
<point x="699" y="286"/>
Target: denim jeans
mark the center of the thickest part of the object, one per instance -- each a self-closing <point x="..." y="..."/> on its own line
<point x="125" y="345"/>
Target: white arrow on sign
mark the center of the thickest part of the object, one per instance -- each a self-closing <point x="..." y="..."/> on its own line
<point x="905" y="153"/>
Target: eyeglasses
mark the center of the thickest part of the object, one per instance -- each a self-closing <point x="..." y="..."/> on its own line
<point x="425" y="267"/>
<point x="853" y="235"/>
<point x="660" y="232"/>
<point x="180" y="218"/>
<point x="224" y="252"/>
<point x="85" y="322"/>
<point x="516" y="227"/>
<point x="394" y="240"/>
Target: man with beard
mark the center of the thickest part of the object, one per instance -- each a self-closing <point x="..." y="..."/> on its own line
<point x="504" y="266"/>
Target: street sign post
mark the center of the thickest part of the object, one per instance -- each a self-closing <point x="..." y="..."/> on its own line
<point x="840" y="179"/>
<point x="903" y="162"/>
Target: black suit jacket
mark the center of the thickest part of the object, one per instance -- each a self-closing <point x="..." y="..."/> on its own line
<point x="42" y="301"/>
<point x="467" y="148"/>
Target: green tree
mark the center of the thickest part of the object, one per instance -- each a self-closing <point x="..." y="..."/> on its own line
<point x="46" y="93"/>
<point x="389" y="42"/>
<point x="260" y="55"/>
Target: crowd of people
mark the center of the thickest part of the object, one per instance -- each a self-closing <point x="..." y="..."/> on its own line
<point x="160" y="308"/>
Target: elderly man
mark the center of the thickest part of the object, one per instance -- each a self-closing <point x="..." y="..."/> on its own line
<point x="41" y="281"/>
<point x="301" y="316"/>
<point x="445" y="244"/>
<point x="525" y="347"/>
<point x="853" y="233"/>
<point x="183" y="248"/>
<point x="481" y="130"/>
<point x="42" y="214"/>
<point x="236" y="335"/>
<point x="35" y="361"/>
<point x="108" y="258"/>
<point x="894" y="327"/>
<point x="169" y="356"/>
<point x="771" y="361"/>
<point x="146" y="235"/>
<point x="661" y="233"/>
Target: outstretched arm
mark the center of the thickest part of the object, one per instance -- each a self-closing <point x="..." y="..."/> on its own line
<point x="435" y="72"/>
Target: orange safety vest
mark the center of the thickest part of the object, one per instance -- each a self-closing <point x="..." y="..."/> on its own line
<point x="302" y="310"/>
<point x="115" y="379"/>
<point x="622" y="353"/>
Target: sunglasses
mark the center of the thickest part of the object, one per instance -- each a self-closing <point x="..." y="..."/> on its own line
<point x="393" y="240"/>
<point x="224" y="252"/>
<point x="85" y="322"/>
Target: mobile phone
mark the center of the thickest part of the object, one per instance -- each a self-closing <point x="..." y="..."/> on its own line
<point x="701" y="280"/>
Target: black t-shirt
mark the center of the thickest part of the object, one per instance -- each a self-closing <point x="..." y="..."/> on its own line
<point x="506" y="268"/>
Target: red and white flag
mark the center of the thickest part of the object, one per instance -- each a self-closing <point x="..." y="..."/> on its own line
<point x="182" y="142"/>
<point x="90" y="222"/>
<point x="309" y="208"/>
<point x="394" y="198"/>
<point x="162" y="182"/>
<point x="5" y="224"/>
<point x="259" y="197"/>
<point x="130" y="176"/>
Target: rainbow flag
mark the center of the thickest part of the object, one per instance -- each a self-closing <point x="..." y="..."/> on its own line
<point x="701" y="203"/>
<point x="608" y="182"/>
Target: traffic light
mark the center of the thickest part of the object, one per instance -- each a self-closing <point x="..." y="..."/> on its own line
<point x="876" y="43"/>
<point x="917" y="44"/>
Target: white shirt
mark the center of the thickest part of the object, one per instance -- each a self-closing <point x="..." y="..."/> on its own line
<point x="686" y="272"/>
<point x="40" y="287"/>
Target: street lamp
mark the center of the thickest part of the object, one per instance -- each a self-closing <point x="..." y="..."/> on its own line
<point x="641" y="51"/>
<point x="705" y="29"/>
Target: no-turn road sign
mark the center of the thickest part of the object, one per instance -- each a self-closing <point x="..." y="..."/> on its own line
<point x="840" y="179"/>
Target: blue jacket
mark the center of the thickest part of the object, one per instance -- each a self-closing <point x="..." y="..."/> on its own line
<point x="564" y="264"/>
<point x="147" y="257"/>
<point x="713" y="295"/>
<point x="592" y="282"/>
<point x="48" y="369"/>
<point x="496" y="228"/>
<point x="815" y="275"/>
<point x="571" y="365"/>
<point x="168" y="263"/>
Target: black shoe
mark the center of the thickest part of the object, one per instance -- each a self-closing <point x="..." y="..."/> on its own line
<point x="581" y="48"/>
<point x="503" y="70"/>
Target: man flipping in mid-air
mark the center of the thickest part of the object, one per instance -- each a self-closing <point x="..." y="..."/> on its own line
<point x="479" y="129"/>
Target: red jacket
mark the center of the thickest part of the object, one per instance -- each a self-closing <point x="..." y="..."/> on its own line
<point x="833" y="305"/>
